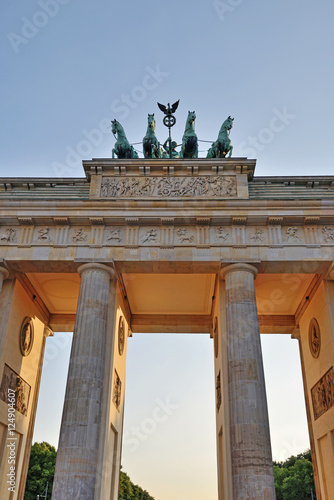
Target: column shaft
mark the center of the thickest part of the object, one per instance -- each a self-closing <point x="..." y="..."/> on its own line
<point x="76" y="469"/>
<point x="252" y="471"/>
<point x="3" y="275"/>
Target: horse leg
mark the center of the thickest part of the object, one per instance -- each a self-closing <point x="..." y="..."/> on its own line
<point x="196" y="151"/>
<point x="230" y="152"/>
<point x="113" y="153"/>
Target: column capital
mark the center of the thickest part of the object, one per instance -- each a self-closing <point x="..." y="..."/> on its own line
<point x="4" y="273"/>
<point x="232" y="268"/>
<point x="48" y="332"/>
<point x="95" y="266"/>
<point x="330" y="274"/>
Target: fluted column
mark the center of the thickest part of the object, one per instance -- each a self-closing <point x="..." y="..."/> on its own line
<point x="3" y="275"/>
<point x="252" y="471"/>
<point x="76" y="468"/>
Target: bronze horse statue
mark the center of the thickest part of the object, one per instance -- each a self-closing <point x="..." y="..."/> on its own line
<point x="222" y="146"/>
<point x="151" y="145"/>
<point x="189" y="147"/>
<point x="122" y="148"/>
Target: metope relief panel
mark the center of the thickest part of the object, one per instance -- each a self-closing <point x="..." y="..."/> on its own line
<point x="169" y="187"/>
<point x="257" y="235"/>
<point x="114" y="235"/>
<point x="220" y="235"/>
<point x="8" y="235"/>
<point x="323" y="394"/>
<point x="185" y="235"/>
<point x="293" y="235"/>
<point x="44" y="235"/>
<point x="149" y="236"/>
<point x="14" y="387"/>
<point x="327" y="234"/>
<point x="117" y="391"/>
<point x="79" y="235"/>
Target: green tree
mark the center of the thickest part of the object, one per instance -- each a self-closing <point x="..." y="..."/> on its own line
<point x="294" y="478"/>
<point x="41" y="470"/>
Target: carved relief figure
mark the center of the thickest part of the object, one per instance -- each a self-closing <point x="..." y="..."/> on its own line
<point x="148" y="186"/>
<point x="114" y="234"/>
<point x="221" y="235"/>
<point x="11" y="381"/>
<point x="26" y="336"/>
<point x="218" y="392"/>
<point x="323" y="394"/>
<point x="79" y="235"/>
<point x="43" y="234"/>
<point x="9" y="235"/>
<point x="258" y="236"/>
<point x="151" y="236"/>
<point x="121" y="336"/>
<point x="314" y="338"/>
<point x="292" y="233"/>
<point x="182" y="234"/>
<point x="169" y="186"/>
<point x="117" y="390"/>
<point x="20" y="398"/>
<point x="328" y="233"/>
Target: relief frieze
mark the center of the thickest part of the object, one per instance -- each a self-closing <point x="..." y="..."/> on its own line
<point x="8" y="235"/>
<point x="169" y="187"/>
<point x="323" y="394"/>
<point x="328" y="234"/>
<point x="169" y="235"/>
<point x="12" y="385"/>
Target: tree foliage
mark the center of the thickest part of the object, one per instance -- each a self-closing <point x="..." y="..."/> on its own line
<point x="42" y="468"/>
<point x="130" y="491"/>
<point x="294" y="478"/>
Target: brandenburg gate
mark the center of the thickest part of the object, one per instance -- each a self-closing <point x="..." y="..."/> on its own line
<point x="164" y="245"/>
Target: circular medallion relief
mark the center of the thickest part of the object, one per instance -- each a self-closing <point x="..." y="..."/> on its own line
<point x="314" y="338"/>
<point x="121" y="335"/>
<point x="215" y="336"/>
<point x="26" y="336"/>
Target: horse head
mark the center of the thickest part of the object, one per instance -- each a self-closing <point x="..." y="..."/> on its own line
<point x="228" y="123"/>
<point x="115" y="126"/>
<point x="151" y="121"/>
<point x="191" y="116"/>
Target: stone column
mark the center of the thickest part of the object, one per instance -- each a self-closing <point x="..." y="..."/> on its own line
<point x="252" y="471"/>
<point x="76" y="472"/>
<point x="3" y="275"/>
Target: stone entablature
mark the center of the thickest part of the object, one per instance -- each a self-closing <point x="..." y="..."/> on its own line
<point x="159" y="232"/>
<point x="191" y="181"/>
<point x="169" y="179"/>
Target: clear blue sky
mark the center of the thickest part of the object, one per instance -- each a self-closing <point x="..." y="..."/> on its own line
<point x="266" y="63"/>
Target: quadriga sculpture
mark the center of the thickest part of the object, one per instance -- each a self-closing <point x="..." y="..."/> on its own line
<point x="222" y="146"/>
<point x="189" y="140"/>
<point x="151" y="145"/>
<point x="122" y="148"/>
